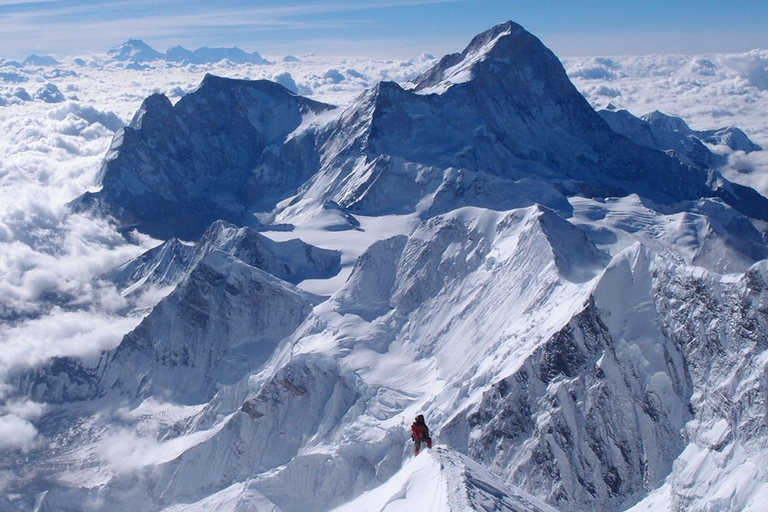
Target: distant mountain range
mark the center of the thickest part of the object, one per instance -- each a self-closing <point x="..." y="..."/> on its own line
<point x="499" y="125"/>
<point x="137" y="51"/>
<point x="576" y="301"/>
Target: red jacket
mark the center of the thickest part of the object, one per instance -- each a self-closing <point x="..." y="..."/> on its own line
<point x="419" y="431"/>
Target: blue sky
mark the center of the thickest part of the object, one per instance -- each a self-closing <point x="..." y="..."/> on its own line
<point x="396" y="28"/>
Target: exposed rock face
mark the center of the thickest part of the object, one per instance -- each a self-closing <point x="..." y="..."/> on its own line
<point x="593" y="351"/>
<point x="214" y="155"/>
<point x="671" y="134"/>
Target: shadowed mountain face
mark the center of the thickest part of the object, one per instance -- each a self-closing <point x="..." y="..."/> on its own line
<point x="581" y="314"/>
<point x="502" y="114"/>
<point x="177" y="168"/>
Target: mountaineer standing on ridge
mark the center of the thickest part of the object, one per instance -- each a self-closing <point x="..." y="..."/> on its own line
<point x="420" y="433"/>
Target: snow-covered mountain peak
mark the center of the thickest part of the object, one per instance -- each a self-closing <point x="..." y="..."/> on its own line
<point x="155" y="106"/>
<point x="659" y="119"/>
<point x="168" y="264"/>
<point x="580" y="314"/>
<point x="222" y="321"/>
<point x="507" y="53"/>
<point x="576" y="257"/>
<point x="207" y="55"/>
<point x="216" y="154"/>
<point x="457" y="67"/>
<point x="443" y="479"/>
<point x="134" y="50"/>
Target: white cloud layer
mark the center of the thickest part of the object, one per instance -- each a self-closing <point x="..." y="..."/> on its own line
<point x="51" y="300"/>
<point x="16" y="433"/>
<point x="707" y="91"/>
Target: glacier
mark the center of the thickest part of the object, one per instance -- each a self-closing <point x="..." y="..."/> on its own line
<point x="575" y="301"/>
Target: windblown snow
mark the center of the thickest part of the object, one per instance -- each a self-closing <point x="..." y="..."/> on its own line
<point x="230" y="282"/>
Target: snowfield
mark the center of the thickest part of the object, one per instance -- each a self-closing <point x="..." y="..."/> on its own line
<point x="291" y="273"/>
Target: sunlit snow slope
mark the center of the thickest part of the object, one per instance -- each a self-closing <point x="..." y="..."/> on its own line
<point x="575" y="301"/>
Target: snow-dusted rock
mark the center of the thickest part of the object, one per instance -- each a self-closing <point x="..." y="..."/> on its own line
<point x="222" y="322"/>
<point x="166" y="265"/>
<point x="499" y="125"/>
<point x="217" y="154"/>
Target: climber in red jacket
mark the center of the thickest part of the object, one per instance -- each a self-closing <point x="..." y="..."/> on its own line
<point x="420" y="433"/>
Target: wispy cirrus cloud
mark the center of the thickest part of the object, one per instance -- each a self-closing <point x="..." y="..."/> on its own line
<point x="49" y="25"/>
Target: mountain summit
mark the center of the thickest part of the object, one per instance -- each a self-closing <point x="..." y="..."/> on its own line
<point x="581" y="315"/>
<point x="177" y="168"/>
<point x="136" y="51"/>
<point x="497" y="125"/>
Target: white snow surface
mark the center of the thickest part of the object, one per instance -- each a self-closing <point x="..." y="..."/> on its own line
<point x="442" y="317"/>
<point x="444" y="480"/>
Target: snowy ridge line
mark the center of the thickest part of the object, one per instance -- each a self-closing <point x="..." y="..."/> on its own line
<point x="444" y="480"/>
<point x="579" y="314"/>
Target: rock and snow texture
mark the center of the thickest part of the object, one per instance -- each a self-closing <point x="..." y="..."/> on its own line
<point x="585" y="352"/>
<point x="499" y="126"/>
<point x="221" y="323"/>
<point x="219" y="153"/>
<point x="668" y="133"/>
<point x="166" y="265"/>
<point x="444" y="480"/>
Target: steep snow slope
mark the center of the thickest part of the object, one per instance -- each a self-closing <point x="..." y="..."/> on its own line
<point x="595" y="352"/>
<point x="218" y="325"/>
<point x="442" y="479"/>
<point x="222" y="321"/>
<point x="568" y="376"/>
<point x="498" y="125"/>
<point x="565" y="374"/>
<point x="214" y="155"/>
